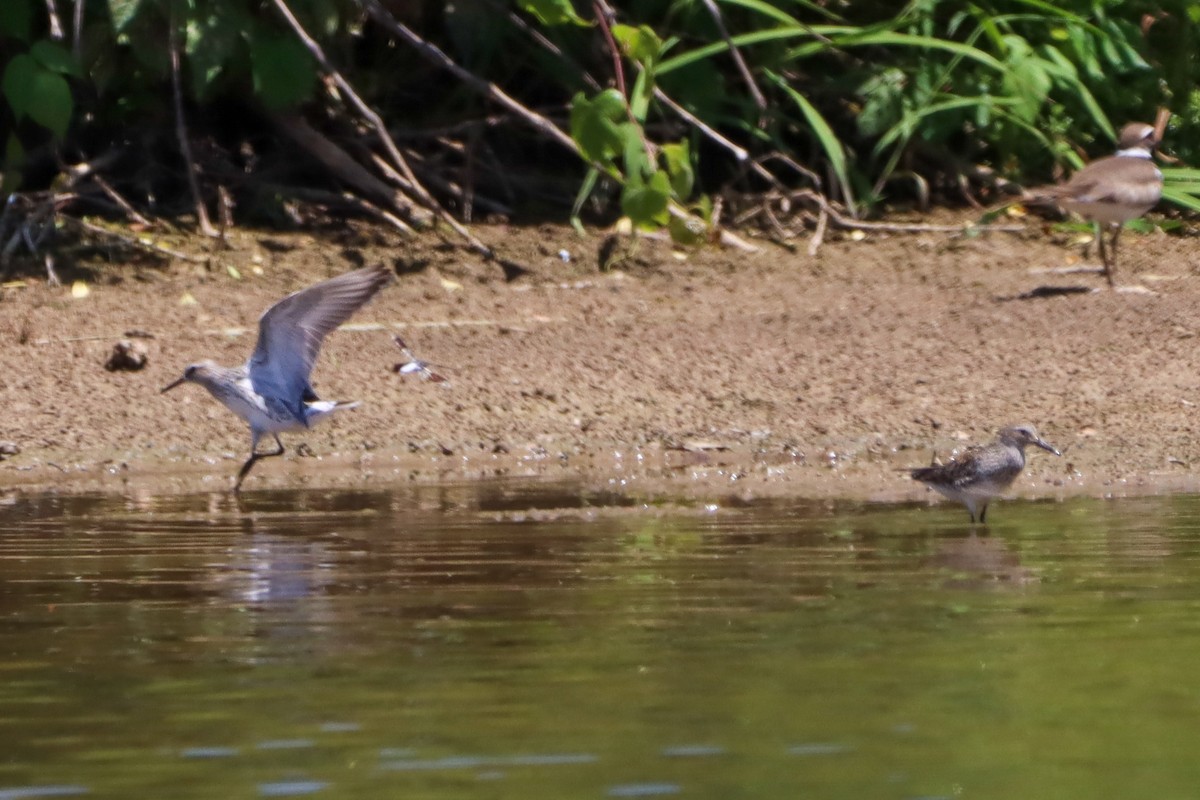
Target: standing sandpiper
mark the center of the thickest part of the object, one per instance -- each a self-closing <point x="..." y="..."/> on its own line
<point x="981" y="473"/>
<point x="1111" y="191"/>
<point x="271" y="391"/>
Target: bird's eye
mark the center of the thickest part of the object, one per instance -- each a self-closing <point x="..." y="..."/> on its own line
<point x="189" y="372"/>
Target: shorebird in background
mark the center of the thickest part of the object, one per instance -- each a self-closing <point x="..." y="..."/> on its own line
<point x="979" y="474"/>
<point x="1111" y="191"/>
<point x="413" y="365"/>
<point x="271" y="391"/>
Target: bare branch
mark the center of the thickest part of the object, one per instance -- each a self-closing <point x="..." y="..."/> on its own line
<point x="77" y="33"/>
<point x="56" y="28"/>
<point x="433" y="54"/>
<point x="185" y="148"/>
<point x="132" y="241"/>
<point x="374" y="120"/>
<point x="116" y="197"/>
<point x="759" y="99"/>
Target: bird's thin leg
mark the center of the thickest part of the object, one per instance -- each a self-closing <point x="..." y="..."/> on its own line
<point x="254" y="457"/>
<point x="1111" y="266"/>
<point x="983" y="513"/>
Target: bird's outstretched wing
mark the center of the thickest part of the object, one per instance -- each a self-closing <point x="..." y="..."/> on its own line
<point x="291" y="331"/>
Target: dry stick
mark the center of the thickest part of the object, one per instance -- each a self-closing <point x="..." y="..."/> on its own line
<point x="739" y="152"/>
<point x="546" y="44"/>
<point x="788" y="161"/>
<point x="898" y="227"/>
<point x="819" y="234"/>
<point x="604" y="19"/>
<point x="345" y="168"/>
<point x="77" y="34"/>
<point x="604" y="16"/>
<point x="493" y="92"/>
<point x="113" y="195"/>
<point x="759" y="99"/>
<point x="440" y="183"/>
<point x="346" y="199"/>
<point x="490" y="90"/>
<point x="380" y="130"/>
<point x="185" y="147"/>
<point x="56" y="29"/>
<point x="133" y="241"/>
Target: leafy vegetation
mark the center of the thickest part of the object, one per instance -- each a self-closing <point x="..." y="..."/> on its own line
<point x="653" y="108"/>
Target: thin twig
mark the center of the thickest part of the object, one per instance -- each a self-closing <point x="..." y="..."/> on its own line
<point x="739" y="152"/>
<point x="56" y="28"/>
<point x="898" y="227"/>
<point x="185" y="147"/>
<point x="490" y="90"/>
<point x="133" y="241"/>
<point x="792" y="163"/>
<point x="439" y="182"/>
<point x="347" y="169"/>
<point x="819" y="234"/>
<point x="52" y="278"/>
<point x="604" y="17"/>
<point x="77" y="33"/>
<point x="374" y="120"/>
<point x="113" y="195"/>
<point x="326" y="198"/>
<point x="540" y="39"/>
<point x="493" y="92"/>
<point x="759" y="99"/>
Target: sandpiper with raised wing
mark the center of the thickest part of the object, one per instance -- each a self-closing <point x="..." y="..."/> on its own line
<point x="981" y="473"/>
<point x="271" y="391"/>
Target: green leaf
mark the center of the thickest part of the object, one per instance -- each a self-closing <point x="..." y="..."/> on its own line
<point x="1183" y="199"/>
<point x="825" y="136"/>
<point x="1026" y="78"/>
<point x="679" y="169"/>
<point x="646" y="201"/>
<point x="687" y="230"/>
<point x="53" y="105"/>
<point x="639" y="96"/>
<point x="641" y="43"/>
<point x="1171" y="174"/>
<point x="123" y="12"/>
<point x="55" y="58"/>
<point x="34" y="91"/>
<point x="283" y="70"/>
<point x="768" y="10"/>
<point x="552" y="12"/>
<point x="884" y="106"/>
<point x="594" y="125"/>
<point x="585" y="190"/>
<point x="19" y="77"/>
<point x="319" y="15"/>
<point x="634" y="156"/>
<point x="16" y="19"/>
<point x="755" y="37"/>
<point x="14" y="161"/>
<point x="212" y="43"/>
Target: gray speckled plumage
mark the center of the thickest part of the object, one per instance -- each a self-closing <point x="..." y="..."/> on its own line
<point x="271" y="391"/>
<point x="981" y="473"/>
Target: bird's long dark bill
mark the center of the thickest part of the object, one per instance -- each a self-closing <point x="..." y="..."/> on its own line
<point x="1042" y="443"/>
<point x="172" y="385"/>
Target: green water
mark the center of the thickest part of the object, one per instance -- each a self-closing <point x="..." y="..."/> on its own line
<point x="442" y="643"/>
